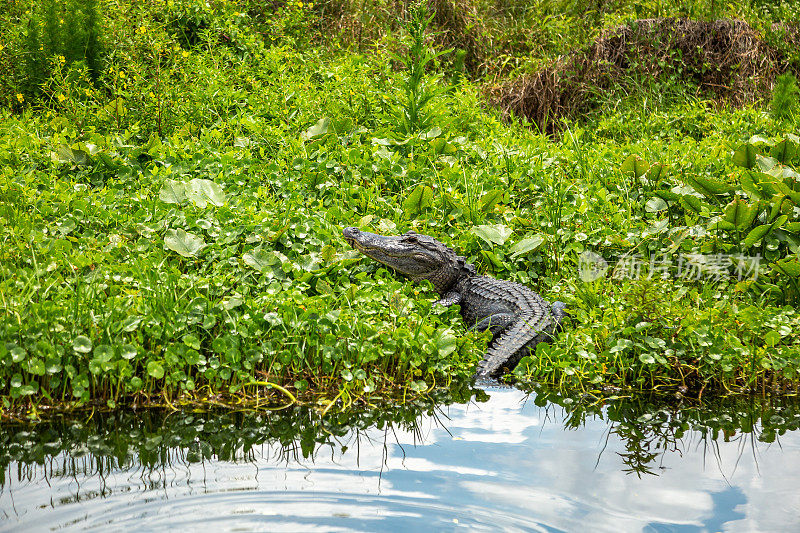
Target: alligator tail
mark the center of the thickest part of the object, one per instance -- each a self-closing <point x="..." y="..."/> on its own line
<point x="506" y="350"/>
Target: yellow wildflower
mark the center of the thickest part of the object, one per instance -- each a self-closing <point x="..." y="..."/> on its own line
<point x="20" y="98"/>
<point x="185" y="53"/>
<point x="61" y="97"/>
<point x="121" y="74"/>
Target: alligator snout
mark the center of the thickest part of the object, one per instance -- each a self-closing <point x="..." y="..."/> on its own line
<point x="350" y="234"/>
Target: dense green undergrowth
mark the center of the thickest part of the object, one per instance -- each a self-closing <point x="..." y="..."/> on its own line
<point x="171" y="228"/>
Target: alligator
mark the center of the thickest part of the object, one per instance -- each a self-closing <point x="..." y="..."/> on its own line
<point x="518" y="318"/>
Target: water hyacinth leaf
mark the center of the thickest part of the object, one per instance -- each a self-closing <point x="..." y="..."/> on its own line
<point x="591" y="266"/>
<point x="386" y="226"/>
<point x="184" y="243"/>
<point x="655" y="204"/>
<point x="82" y="344"/>
<point x="493" y="234"/>
<point x="669" y="196"/>
<point x="192" y="341"/>
<point x="172" y="192"/>
<point x="432" y="133"/>
<point x="203" y="192"/>
<point x="792" y="227"/>
<point x="745" y="156"/>
<point x="784" y="151"/>
<point x="756" y="234"/>
<point x="420" y="199"/>
<point x="528" y="244"/>
<point x="634" y="166"/>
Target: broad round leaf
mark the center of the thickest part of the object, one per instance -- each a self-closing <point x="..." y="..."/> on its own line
<point x="82" y="344"/>
<point x="185" y="244"/>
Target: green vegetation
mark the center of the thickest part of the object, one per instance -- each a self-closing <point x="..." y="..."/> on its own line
<point x="171" y="205"/>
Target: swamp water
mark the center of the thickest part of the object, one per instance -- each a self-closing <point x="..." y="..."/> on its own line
<point x="500" y="460"/>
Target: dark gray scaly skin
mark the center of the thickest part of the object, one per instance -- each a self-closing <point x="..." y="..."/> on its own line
<point x="518" y="318"/>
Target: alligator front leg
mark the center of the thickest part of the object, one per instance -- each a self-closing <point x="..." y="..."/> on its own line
<point x="451" y="298"/>
<point x="494" y="323"/>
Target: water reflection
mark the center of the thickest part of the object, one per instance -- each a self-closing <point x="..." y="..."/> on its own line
<point x="501" y="460"/>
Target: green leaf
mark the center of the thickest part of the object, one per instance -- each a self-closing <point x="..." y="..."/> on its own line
<point x="756" y="234"/>
<point x="18" y="354"/>
<point x="647" y="358"/>
<point x="65" y="154"/>
<point x="780" y="221"/>
<point x="185" y="244"/>
<point x="657" y="172"/>
<point x="784" y="151"/>
<point x="766" y="163"/>
<point x="319" y="129"/>
<point x="745" y="156"/>
<point x="67" y="225"/>
<point x="634" y="166"/>
<point x="490" y="199"/>
<point x="420" y="199"/>
<point x="772" y="338"/>
<point x="172" y="192"/>
<point x="691" y="203"/>
<point x="127" y="351"/>
<point x="446" y="343"/>
<point x="155" y="370"/>
<point x="528" y="244"/>
<point x="740" y="214"/>
<point x="655" y="204"/>
<point x="191" y="340"/>
<point x="495" y="234"/>
<point x="203" y="192"/>
<point x="260" y="259"/>
<point x="708" y="186"/>
<point x="788" y="267"/>
<point x="82" y="344"/>
<point x="104" y="352"/>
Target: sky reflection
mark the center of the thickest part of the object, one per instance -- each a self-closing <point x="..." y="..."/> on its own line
<point x="501" y="464"/>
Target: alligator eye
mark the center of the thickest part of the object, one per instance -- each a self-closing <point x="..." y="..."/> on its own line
<point x="410" y="237"/>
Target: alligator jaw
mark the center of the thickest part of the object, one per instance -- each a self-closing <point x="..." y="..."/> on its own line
<point x="417" y="256"/>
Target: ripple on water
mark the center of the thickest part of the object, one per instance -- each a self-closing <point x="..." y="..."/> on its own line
<point x="503" y="464"/>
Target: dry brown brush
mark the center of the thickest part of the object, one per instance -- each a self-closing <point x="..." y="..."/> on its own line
<point x="724" y="58"/>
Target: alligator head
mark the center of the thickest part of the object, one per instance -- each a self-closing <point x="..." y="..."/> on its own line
<point x="417" y="256"/>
